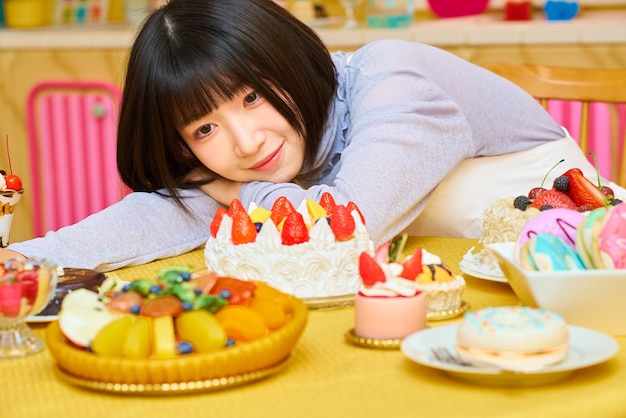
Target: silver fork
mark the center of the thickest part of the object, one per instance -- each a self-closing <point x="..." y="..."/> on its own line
<point x="444" y="355"/>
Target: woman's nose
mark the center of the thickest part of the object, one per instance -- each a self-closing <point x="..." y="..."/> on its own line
<point x="247" y="140"/>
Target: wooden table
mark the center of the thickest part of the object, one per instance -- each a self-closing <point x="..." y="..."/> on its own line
<point x="327" y="377"/>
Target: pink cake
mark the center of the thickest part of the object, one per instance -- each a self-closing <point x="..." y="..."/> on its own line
<point x="388" y="305"/>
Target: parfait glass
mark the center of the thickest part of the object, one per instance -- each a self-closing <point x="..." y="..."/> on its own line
<point x="26" y="287"/>
<point x="8" y="200"/>
<point x="349" y="7"/>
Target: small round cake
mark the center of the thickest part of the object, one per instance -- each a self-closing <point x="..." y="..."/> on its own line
<point x="444" y="289"/>
<point x="388" y="306"/>
<point x="514" y="338"/>
<point x="311" y="251"/>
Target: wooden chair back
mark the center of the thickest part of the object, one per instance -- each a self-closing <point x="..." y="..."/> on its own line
<point x="584" y="85"/>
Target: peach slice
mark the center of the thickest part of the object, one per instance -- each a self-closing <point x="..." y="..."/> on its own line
<point x="241" y="324"/>
<point x="201" y="329"/>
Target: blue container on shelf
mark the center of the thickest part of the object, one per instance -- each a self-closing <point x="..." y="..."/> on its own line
<point x="2" y="25"/>
<point x="390" y="13"/>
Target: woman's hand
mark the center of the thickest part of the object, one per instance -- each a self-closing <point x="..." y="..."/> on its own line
<point x="8" y="254"/>
<point x="222" y="190"/>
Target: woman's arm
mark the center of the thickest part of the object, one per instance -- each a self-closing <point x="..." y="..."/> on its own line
<point x="6" y="254"/>
<point x="139" y="229"/>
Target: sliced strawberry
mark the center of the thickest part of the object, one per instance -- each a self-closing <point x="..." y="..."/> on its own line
<point x="29" y="279"/>
<point x="370" y="271"/>
<point x="243" y="231"/>
<point x="582" y="191"/>
<point x="217" y="220"/>
<point x="239" y="291"/>
<point x="327" y="202"/>
<point x="382" y="253"/>
<point x="235" y="207"/>
<point x="281" y="209"/>
<point x="555" y="199"/>
<point x="352" y="206"/>
<point x="10" y="299"/>
<point x="342" y="223"/>
<point x="294" y="230"/>
<point x="412" y="266"/>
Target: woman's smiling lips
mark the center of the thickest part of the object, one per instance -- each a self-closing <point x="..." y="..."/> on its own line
<point x="270" y="162"/>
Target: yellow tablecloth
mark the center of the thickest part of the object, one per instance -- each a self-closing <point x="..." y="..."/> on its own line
<point x="327" y="377"/>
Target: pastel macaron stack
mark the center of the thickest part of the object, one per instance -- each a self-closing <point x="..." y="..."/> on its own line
<point x="563" y="239"/>
<point x="601" y="238"/>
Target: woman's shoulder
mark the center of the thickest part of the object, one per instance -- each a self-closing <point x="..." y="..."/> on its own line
<point x="395" y="52"/>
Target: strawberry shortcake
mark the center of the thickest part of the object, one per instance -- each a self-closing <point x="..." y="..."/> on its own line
<point x="310" y="251"/>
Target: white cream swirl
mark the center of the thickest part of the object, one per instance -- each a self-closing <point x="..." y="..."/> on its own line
<point x="321" y="267"/>
<point x="394" y="285"/>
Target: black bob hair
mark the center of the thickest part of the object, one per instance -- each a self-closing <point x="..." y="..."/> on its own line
<point x="192" y="55"/>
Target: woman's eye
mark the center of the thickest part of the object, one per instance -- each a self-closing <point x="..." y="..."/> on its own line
<point x="252" y="98"/>
<point x="204" y="130"/>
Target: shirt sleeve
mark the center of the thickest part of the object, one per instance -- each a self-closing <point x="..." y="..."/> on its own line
<point x="140" y="228"/>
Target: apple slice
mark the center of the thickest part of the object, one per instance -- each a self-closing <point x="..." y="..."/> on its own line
<point x="83" y="314"/>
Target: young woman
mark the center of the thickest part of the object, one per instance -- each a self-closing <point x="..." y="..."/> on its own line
<point x="239" y="99"/>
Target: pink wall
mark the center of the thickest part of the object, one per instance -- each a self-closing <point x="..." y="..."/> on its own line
<point x="606" y="130"/>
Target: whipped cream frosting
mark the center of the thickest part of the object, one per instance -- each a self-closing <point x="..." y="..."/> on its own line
<point x="320" y="267"/>
<point x="394" y="285"/>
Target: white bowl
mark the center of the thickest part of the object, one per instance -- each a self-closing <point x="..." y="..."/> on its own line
<point x="587" y="298"/>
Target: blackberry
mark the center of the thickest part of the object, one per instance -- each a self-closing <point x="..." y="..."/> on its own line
<point x="545" y="207"/>
<point x="521" y="202"/>
<point x="561" y="184"/>
<point x="615" y="202"/>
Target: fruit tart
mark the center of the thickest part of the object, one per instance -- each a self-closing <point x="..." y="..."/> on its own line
<point x="175" y="329"/>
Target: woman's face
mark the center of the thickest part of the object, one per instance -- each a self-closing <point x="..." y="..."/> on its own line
<point x="246" y="139"/>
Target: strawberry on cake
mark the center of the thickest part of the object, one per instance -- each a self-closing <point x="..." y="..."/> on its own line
<point x="309" y="251"/>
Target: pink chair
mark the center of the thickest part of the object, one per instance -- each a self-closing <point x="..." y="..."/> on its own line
<point x="72" y="130"/>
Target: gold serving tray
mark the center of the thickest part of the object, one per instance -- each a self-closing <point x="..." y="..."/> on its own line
<point x="384" y="344"/>
<point x="181" y="388"/>
<point x="329" y="302"/>
<point x="234" y="365"/>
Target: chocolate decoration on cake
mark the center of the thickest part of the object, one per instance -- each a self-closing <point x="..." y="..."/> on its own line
<point x="72" y="279"/>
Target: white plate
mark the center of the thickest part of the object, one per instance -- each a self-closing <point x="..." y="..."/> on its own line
<point x="41" y="319"/>
<point x="587" y="348"/>
<point x="470" y="265"/>
<point x="473" y="270"/>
